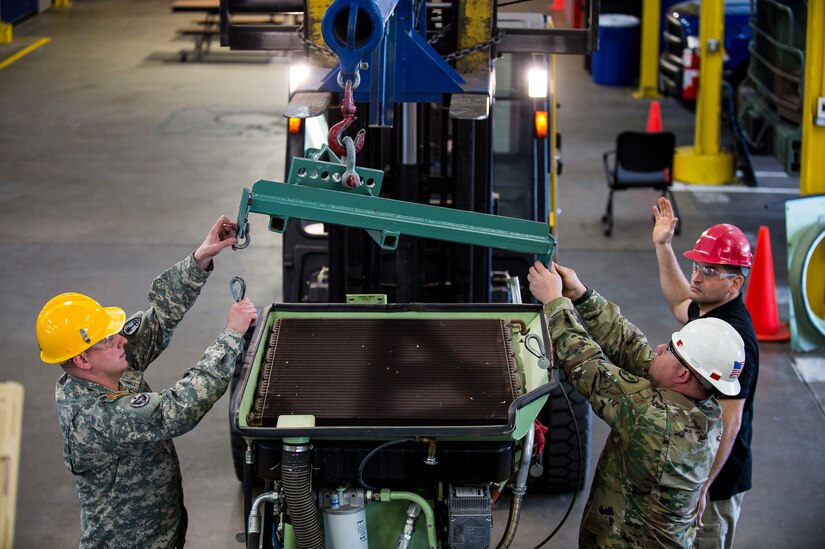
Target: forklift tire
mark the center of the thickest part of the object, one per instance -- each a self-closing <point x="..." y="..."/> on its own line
<point x="561" y="453"/>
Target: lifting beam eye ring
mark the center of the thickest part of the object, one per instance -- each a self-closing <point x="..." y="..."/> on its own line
<point x="247" y="239"/>
<point x="242" y="224"/>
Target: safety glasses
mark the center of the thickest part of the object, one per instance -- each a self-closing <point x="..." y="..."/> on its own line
<point x="105" y="343"/>
<point x="672" y="351"/>
<point x="698" y="378"/>
<point x="709" y="271"/>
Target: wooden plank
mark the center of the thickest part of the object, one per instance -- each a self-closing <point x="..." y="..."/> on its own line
<point x="11" y="422"/>
<point x="210" y="6"/>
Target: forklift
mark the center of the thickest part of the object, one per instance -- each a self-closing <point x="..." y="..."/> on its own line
<point x="403" y="383"/>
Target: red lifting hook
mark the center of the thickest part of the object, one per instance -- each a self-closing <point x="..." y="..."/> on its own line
<point x="335" y="132"/>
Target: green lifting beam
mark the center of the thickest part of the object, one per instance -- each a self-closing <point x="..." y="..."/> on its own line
<point x="315" y="192"/>
<point x="387" y="219"/>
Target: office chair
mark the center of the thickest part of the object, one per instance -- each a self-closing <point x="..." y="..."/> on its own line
<point x="640" y="160"/>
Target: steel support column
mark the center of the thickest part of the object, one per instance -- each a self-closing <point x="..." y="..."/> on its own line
<point x="704" y="162"/>
<point x="649" y="52"/>
<point x="475" y="25"/>
<point x="315" y="10"/>
<point x="812" y="169"/>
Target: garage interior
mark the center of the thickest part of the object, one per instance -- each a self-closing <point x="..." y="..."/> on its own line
<point x="117" y="157"/>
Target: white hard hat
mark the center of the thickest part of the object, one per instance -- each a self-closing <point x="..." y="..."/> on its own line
<point x="715" y="351"/>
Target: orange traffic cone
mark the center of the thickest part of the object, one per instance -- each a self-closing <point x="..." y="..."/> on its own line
<point x="760" y="298"/>
<point x="654" y="117"/>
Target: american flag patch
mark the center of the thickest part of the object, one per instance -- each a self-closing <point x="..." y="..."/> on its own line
<point x="737" y="368"/>
<point x="716" y="377"/>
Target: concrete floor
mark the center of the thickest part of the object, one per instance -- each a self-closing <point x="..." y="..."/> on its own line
<point x="116" y="159"/>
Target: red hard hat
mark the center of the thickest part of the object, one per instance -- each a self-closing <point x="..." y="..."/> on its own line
<point x="722" y="244"/>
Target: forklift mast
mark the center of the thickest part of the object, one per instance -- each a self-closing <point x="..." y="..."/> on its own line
<point x="421" y="162"/>
<point x="426" y="92"/>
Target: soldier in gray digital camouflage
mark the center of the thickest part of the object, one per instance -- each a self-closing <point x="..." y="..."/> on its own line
<point x="659" y="403"/>
<point x="117" y="432"/>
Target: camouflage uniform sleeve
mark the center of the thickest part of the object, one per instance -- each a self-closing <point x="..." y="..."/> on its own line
<point x="151" y="417"/>
<point x="170" y="296"/>
<point x="617" y="396"/>
<point x="620" y="340"/>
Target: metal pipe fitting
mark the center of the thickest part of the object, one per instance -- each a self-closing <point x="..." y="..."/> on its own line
<point x="405" y="538"/>
<point x="254" y="523"/>
<point x="429" y="515"/>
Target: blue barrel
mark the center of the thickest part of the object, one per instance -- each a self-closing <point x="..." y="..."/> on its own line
<point x="616" y="63"/>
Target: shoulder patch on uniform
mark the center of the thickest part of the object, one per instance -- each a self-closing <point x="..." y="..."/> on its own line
<point x="627" y="376"/>
<point x="139" y="400"/>
<point x="140" y="405"/>
<point x="132" y="325"/>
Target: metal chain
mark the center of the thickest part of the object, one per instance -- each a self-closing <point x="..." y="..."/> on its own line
<point x="440" y="34"/>
<point x="312" y="45"/>
<point x="478" y="47"/>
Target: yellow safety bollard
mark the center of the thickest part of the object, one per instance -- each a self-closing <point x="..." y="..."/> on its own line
<point x="5" y="33"/>
<point x="813" y="109"/>
<point x="649" y="51"/>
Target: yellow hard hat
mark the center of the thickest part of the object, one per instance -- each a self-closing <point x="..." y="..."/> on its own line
<point x="70" y="323"/>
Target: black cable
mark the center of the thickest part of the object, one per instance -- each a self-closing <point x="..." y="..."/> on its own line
<point x="738" y="135"/>
<point x="514" y="2"/>
<point x="581" y="471"/>
<point x="372" y="453"/>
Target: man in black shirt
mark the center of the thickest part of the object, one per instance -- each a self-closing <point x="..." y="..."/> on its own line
<point x="722" y="259"/>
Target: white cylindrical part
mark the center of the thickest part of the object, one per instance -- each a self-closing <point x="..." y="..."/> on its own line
<point x="346" y="528"/>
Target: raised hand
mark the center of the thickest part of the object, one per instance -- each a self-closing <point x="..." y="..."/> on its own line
<point x="665" y="224"/>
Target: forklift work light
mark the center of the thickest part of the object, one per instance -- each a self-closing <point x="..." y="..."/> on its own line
<point x="537" y="82"/>
<point x="294" y="125"/>
<point x="297" y="74"/>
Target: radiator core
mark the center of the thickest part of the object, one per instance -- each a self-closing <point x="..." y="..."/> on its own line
<point x="386" y="372"/>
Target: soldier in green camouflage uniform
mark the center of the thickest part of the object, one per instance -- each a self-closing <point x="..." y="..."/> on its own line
<point x="665" y="423"/>
<point x="117" y="432"/>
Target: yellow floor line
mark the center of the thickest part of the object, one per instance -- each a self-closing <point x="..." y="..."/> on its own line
<point x="28" y="49"/>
